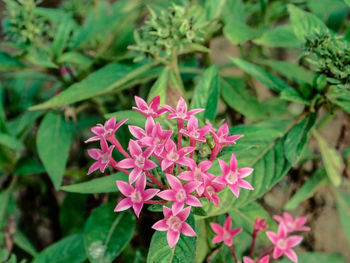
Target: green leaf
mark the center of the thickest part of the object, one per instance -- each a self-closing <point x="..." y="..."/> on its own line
<point x="53" y="142"/>
<point x="234" y="92"/>
<point x="202" y="242"/>
<point x="206" y="94"/>
<point x="315" y="257"/>
<point x="270" y="165"/>
<point x="62" y="35"/>
<point x="23" y="242"/>
<point x="17" y="125"/>
<point x="281" y="36"/>
<point x="7" y="62"/>
<point x="343" y="205"/>
<point x="347" y="2"/>
<point x="317" y="180"/>
<point x="234" y="9"/>
<point x="185" y="249"/>
<point x="238" y="32"/>
<point x="28" y="166"/>
<point x="274" y="83"/>
<point x="290" y="70"/>
<point x="10" y="142"/>
<point x="105" y="184"/>
<point x="160" y="87"/>
<point x="305" y="24"/>
<point x="134" y="117"/>
<point x="40" y="57"/>
<point x="107" y="233"/>
<point x="67" y="250"/>
<point x="294" y="150"/>
<point x="331" y="159"/>
<point x="339" y="96"/>
<point x="291" y="94"/>
<point x="110" y="77"/>
<point x="81" y="60"/>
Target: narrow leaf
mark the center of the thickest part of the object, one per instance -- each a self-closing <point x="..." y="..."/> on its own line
<point x="343" y="205"/>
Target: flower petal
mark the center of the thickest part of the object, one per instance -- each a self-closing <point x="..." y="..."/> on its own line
<point x="174" y="182"/>
<point x="233" y="163"/>
<point x="161" y="225"/>
<point x="123" y="205"/>
<point x="125" y="188"/>
<point x="193" y="201"/>
<point x="137" y="208"/>
<point x="172" y="237"/>
<point x="167" y="195"/>
<point x="183" y="214"/>
<point x="291" y="255"/>
<point x="187" y="230"/>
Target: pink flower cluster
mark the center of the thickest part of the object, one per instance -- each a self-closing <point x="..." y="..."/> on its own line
<point x="181" y="180"/>
<point x="282" y="241"/>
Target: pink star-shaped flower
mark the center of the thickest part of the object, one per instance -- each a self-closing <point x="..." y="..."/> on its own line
<point x="140" y="133"/>
<point x="262" y="260"/>
<point x="226" y="233"/>
<point x="197" y="173"/>
<point x="138" y="162"/>
<point x="259" y="224"/>
<point x="233" y="177"/>
<point x="290" y="224"/>
<point x="106" y="131"/>
<point x="175" y="224"/>
<point x="135" y="197"/>
<point x="211" y="189"/>
<point x="180" y="194"/>
<point x="171" y="156"/>
<point x="157" y="139"/>
<point x="181" y="111"/>
<point x="150" y="110"/>
<point x="194" y="132"/>
<point x="222" y="137"/>
<point x="102" y="156"/>
<point x="283" y="244"/>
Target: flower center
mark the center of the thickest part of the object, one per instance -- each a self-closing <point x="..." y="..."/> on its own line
<point x="172" y="156"/>
<point x="198" y="174"/>
<point x="232" y="177"/>
<point x="195" y="134"/>
<point x="136" y="196"/>
<point x="140" y="161"/>
<point x="108" y="133"/>
<point x="282" y="244"/>
<point x="158" y="141"/>
<point x="181" y="195"/>
<point x="290" y="225"/>
<point x="174" y="223"/>
<point x="105" y="157"/>
<point x="226" y="235"/>
<point x="210" y="190"/>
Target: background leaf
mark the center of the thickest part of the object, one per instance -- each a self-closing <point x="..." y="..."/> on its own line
<point x="343" y="205"/>
<point x="107" y="233"/>
<point x="53" y="142"/>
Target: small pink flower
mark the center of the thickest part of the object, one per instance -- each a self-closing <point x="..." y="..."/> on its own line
<point x="135" y="197"/>
<point x="211" y="189"/>
<point x="197" y="173"/>
<point x="225" y="233"/>
<point x="262" y="260"/>
<point x="181" y="111"/>
<point x="138" y="162"/>
<point x="106" y="131"/>
<point x="180" y="194"/>
<point x="102" y="156"/>
<point x="193" y="132"/>
<point x="150" y="110"/>
<point x="222" y="138"/>
<point x="290" y="224"/>
<point x="233" y="177"/>
<point x="174" y="224"/>
<point x="259" y="224"/>
<point x="171" y="156"/>
<point x="139" y="133"/>
<point x="283" y="244"/>
<point x="157" y="139"/>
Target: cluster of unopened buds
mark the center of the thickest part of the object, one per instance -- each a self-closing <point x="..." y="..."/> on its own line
<point x="282" y="241"/>
<point x="182" y="180"/>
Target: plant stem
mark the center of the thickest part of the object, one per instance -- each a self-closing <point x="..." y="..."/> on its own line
<point x="233" y="254"/>
<point x="154" y="180"/>
<point x="254" y="235"/>
<point x="118" y="146"/>
<point x="155" y="202"/>
<point x="114" y="164"/>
